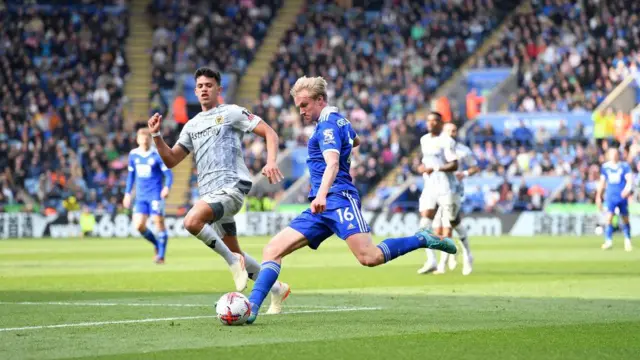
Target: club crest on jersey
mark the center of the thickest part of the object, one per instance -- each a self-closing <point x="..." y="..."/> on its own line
<point x="219" y="120"/>
<point x="328" y="136"/>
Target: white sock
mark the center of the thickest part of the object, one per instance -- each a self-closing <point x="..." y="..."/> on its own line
<point x="425" y="223"/>
<point x="253" y="268"/>
<point x="462" y="233"/>
<point x="443" y="260"/>
<point x="431" y="257"/>
<point x="210" y="237"/>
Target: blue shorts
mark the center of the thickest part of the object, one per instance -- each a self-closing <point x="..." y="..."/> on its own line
<point x="342" y="217"/>
<point x="149" y="207"/>
<point x="621" y="204"/>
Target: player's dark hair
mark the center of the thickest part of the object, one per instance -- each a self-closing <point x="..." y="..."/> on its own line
<point x="437" y="115"/>
<point x="207" y="72"/>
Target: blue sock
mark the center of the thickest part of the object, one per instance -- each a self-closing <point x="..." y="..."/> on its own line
<point x="266" y="278"/>
<point x="393" y="248"/>
<point x="163" y="239"/>
<point x="608" y="233"/>
<point x="626" y="230"/>
<point x="148" y="234"/>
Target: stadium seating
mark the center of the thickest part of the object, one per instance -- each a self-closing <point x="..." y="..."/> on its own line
<point x="62" y="70"/>
<point x="223" y="35"/>
<point x="569" y="55"/>
<point x="382" y="65"/>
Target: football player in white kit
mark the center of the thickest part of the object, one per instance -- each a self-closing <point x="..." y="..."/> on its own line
<point x="468" y="162"/>
<point x="439" y="163"/>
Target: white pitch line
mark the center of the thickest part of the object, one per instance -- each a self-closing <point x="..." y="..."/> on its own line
<point x="72" y="303"/>
<point x="139" y="321"/>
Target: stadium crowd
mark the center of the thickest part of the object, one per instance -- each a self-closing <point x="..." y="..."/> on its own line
<point x="569" y="54"/>
<point x="381" y="65"/>
<point x="223" y="35"/>
<point x="62" y="72"/>
<point x="61" y="106"/>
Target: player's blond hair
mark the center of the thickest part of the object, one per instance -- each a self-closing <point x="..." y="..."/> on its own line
<point x="316" y="86"/>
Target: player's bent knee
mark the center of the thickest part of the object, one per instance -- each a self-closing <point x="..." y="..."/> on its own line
<point x="371" y="260"/>
<point x="140" y="223"/>
<point x="159" y="221"/>
<point x="193" y="224"/>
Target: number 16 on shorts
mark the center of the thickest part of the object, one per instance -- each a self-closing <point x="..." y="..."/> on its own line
<point x="350" y="220"/>
<point x="345" y="215"/>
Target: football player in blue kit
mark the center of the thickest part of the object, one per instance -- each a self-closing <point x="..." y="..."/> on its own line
<point x="153" y="181"/>
<point x="616" y="181"/>
<point x="335" y="202"/>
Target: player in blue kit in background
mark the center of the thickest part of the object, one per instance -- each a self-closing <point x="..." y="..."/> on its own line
<point x="148" y="172"/>
<point x="616" y="182"/>
<point x="335" y="202"/>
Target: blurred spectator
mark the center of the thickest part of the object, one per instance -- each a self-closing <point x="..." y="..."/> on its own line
<point x="381" y="66"/>
<point x="62" y="72"/>
<point x="569" y="54"/>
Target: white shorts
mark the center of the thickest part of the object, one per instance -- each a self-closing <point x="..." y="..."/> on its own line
<point x="429" y="200"/>
<point x="446" y="213"/>
<point x="225" y="203"/>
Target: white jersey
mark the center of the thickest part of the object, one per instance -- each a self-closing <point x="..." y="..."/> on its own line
<point x="215" y="138"/>
<point x="466" y="160"/>
<point x="437" y="151"/>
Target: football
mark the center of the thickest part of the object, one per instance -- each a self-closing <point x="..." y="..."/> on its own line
<point x="233" y="309"/>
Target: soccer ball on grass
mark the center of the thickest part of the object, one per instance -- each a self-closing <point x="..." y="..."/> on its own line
<point x="233" y="309"/>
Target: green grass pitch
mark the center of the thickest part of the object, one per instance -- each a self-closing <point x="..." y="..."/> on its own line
<point x="528" y="298"/>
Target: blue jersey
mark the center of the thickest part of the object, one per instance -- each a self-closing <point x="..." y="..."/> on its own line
<point x="333" y="133"/>
<point x="148" y="171"/>
<point x="615" y="176"/>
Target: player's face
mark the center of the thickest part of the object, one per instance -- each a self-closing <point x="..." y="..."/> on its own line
<point x="614" y="155"/>
<point x="309" y="108"/>
<point x="144" y="140"/>
<point x="451" y="131"/>
<point x="207" y="91"/>
<point x="434" y="125"/>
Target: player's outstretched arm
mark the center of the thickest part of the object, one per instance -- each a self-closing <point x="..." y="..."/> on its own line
<point x="628" y="177"/>
<point x="270" y="170"/>
<point x="170" y="156"/>
<point x="356" y="142"/>
<point x="332" y="159"/>
<point x="168" y="181"/>
<point x="451" y="157"/>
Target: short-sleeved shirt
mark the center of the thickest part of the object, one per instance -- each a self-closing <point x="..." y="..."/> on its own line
<point x="215" y="138"/>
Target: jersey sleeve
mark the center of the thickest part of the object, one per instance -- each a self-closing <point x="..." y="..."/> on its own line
<point x="184" y="140"/>
<point x="243" y="120"/>
<point x="131" y="176"/>
<point x="329" y="137"/>
<point x="450" y="150"/>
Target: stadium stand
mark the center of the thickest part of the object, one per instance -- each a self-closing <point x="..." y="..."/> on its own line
<point x="382" y="65"/>
<point x="62" y="69"/>
<point x="569" y="55"/>
<point x="225" y="38"/>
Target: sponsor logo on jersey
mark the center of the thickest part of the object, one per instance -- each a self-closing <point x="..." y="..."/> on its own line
<point x="205" y="133"/>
